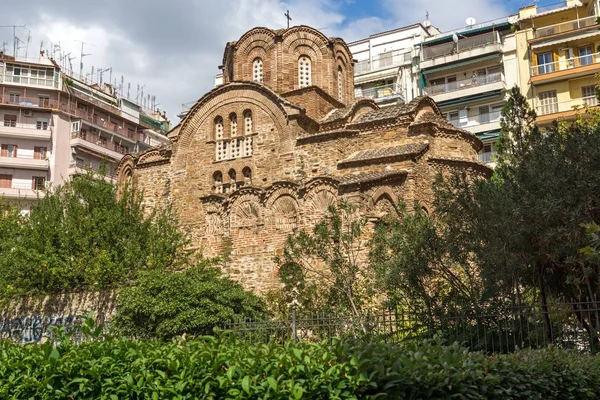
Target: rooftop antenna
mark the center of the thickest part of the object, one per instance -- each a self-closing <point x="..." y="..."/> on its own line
<point x="41" y="47"/>
<point x="121" y="86"/>
<point x="70" y="63"/>
<point x="4" y="47"/>
<point x="82" y="54"/>
<point x="128" y="89"/>
<point x="287" y="15"/>
<point x="27" y="45"/>
<point x="426" y="23"/>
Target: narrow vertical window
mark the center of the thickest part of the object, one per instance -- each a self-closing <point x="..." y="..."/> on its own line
<point x="257" y="70"/>
<point x="218" y="181"/>
<point x="220" y="148"/>
<point x="247" y="122"/>
<point x="304" y="72"/>
<point x="233" y="124"/>
<point x="340" y="84"/>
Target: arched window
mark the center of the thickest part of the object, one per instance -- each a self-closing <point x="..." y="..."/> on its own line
<point x="218" y="181"/>
<point x="247" y="172"/>
<point x="257" y="70"/>
<point x="221" y="148"/>
<point x="247" y="122"/>
<point x="233" y="122"/>
<point x="340" y="83"/>
<point x="232" y="178"/>
<point x="304" y="72"/>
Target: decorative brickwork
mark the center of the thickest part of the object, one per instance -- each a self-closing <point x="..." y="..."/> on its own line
<point x="253" y="161"/>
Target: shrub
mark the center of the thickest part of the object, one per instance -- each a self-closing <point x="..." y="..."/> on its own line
<point x="164" y="304"/>
<point x="223" y="367"/>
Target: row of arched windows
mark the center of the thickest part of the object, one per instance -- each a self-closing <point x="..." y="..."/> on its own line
<point x="233" y="145"/>
<point x="232" y="183"/>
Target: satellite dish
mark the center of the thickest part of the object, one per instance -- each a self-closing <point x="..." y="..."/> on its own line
<point x="427" y="23"/>
<point x="455" y="37"/>
<point x="471" y="21"/>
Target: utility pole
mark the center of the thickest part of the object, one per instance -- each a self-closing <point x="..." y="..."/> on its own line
<point x="82" y="54"/>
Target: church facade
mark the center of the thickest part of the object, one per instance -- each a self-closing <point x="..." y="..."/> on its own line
<point x="283" y="139"/>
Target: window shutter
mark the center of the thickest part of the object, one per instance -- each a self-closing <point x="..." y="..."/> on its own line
<point x="36" y="153"/>
<point x="4" y="151"/>
<point x="33" y="182"/>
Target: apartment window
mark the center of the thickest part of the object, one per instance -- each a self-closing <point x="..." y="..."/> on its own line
<point x="75" y="126"/>
<point x="10" y="120"/>
<point x="585" y="55"/>
<point x="548" y="102"/>
<point x="454" y="118"/>
<point x="40" y="153"/>
<point x="484" y="114"/>
<point x="588" y="93"/>
<point x="544" y="62"/>
<point x="14" y="98"/>
<point x="5" y="181"/>
<point x="44" y="101"/>
<point x="386" y="59"/>
<point x="41" y="124"/>
<point x="451" y="81"/>
<point x="38" y="182"/>
<point x="9" y="150"/>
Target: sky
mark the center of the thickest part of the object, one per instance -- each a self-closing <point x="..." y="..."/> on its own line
<point x="172" y="49"/>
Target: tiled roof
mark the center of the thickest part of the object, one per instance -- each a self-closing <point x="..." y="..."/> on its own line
<point x="336" y="114"/>
<point x="383" y="113"/>
<point x="386" y="152"/>
<point x="370" y="177"/>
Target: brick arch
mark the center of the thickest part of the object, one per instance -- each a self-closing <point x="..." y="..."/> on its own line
<point x="245" y="57"/>
<point x="382" y="197"/>
<point x="319" y="196"/>
<point x="304" y="31"/>
<point x="245" y="210"/>
<point x="247" y="95"/>
<point x="422" y="106"/>
<point x="285" y="212"/>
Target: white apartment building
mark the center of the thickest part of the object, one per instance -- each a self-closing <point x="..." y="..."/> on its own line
<point x="384" y="67"/>
<point x="54" y="126"/>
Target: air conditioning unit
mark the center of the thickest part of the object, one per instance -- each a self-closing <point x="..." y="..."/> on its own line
<point x="27" y="113"/>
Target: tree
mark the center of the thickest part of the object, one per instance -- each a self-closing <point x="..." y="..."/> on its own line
<point x="164" y="304"/>
<point x="326" y="264"/>
<point x="81" y="235"/>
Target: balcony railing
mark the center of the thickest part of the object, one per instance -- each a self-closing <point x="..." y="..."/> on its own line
<point x="551" y="7"/>
<point x="99" y="141"/>
<point x="465" y="84"/>
<point x="475" y="119"/>
<point x="563" y="106"/>
<point x="383" y="60"/>
<point x="565" y="27"/>
<point x="12" y="124"/>
<point x="382" y="93"/>
<point x="563" y="65"/>
<point x="110" y="126"/>
<point x="464" y="44"/>
<point x="108" y="171"/>
<point x="29" y="101"/>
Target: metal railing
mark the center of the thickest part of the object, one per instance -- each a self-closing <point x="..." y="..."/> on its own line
<point x="464" y="44"/>
<point x="562" y="65"/>
<point x="565" y="27"/>
<point x="29" y="101"/>
<point x="383" y="60"/>
<point x="12" y="124"/>
<point x="573" y="325"/>
<point x="28" y="80"/>
<point x="99" y="141"/>
<point x="101" y="123"/>
<point x="551" y="7"/>
<point x="478" y="119"/>
<point x="465" y="83"/>
<point x="382" y="92"/>
<point x="109" y="172"/>
<point x="568" y="105"/>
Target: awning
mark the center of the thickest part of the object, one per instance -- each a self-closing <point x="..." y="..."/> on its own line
<point x="468" y="99"/>
<point x="566" y="39"/>
<point x="376" y="76"/>
<point x="489" y="135"/>
<point x="490" y="27"/>
<point x="461" y="63"/>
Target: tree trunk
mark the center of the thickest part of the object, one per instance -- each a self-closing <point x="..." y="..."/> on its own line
<point x="545" y="313"/>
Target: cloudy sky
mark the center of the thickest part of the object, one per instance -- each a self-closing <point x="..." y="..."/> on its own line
<point x="173" y="47"/>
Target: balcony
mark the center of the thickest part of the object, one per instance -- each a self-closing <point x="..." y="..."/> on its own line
<point x="466" y="87"/>
<point x="50" y="82"/>
<point x="22" y="194"/>
<point x="24" y="131"/>
<point x="564" y="27"/>
<point x="34" y="102"/>
<point x="569" y="68"/>
<point x="488" y="158"/>
<point x="563" y="109"/>
<point x="82" y="169"/>
<point x="466" y="48"/>
<point x="383" y="94"/>
<point x="478" y="123"/>
<point x="97" y="145"/>
<point x="24" y="162"/>
<point x="383" y="61"/>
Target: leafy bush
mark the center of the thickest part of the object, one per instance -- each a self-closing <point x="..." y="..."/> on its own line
<point x="164" y="304"/>
<point x="81" y="235"/>
<point x="223" y="367"/>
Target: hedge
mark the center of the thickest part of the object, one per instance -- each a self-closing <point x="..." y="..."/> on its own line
<point x="222" y="367"/>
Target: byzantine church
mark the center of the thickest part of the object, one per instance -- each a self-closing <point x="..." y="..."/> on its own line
<point x="281" y="140"/>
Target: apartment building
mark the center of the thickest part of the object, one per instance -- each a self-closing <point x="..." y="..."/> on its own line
<point x="385" y="62"/>
<point x="467" y="72"/>
<point x="56" y="126"/>
<point x="558" y="45"/>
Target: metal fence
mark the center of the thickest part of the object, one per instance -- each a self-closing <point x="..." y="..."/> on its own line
<point x="573" y="325"/>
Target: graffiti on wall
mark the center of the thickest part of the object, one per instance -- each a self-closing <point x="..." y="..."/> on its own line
<point x="36" y="328"/>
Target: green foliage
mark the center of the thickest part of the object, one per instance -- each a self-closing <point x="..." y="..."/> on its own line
<point x="324" y="265"/>
<point x="420" y="267"/>
<point x="223" y="367"/>
<point x="165" y="304"/>
<point x="81" y="235"/>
